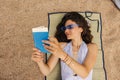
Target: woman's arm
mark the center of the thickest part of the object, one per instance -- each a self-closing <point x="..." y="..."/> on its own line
<point x="38" y="57"/>
<point x="45" y="68"/>
<point x="84" y="69"/>
<point x="80" y="69"/>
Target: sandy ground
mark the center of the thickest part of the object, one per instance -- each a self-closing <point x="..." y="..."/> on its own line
<point x="17" y="17"/>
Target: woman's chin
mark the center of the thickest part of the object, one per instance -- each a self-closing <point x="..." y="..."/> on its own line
<point x="68" y="38"/>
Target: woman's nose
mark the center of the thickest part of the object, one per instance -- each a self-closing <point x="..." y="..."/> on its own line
<point x="67" y="31"/>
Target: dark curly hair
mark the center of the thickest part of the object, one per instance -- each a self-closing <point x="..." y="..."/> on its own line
<point x="80" y="20"/>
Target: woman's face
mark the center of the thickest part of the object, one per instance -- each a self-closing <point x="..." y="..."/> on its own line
<point x="74" y="32"/>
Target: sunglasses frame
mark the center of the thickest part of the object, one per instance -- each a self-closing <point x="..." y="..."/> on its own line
<point x="71" y="26"/>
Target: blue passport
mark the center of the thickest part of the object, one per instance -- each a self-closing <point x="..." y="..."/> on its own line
<point x="39" y="34"/>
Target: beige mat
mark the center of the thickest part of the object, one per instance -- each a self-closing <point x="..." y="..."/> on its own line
<point x="94" y="19"/>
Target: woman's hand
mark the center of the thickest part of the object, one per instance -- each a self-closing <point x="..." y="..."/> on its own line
<point x="54" y="47"/>
<point x="37" y="55"/>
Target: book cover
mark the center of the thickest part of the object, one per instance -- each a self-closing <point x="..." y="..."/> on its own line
<point x="39" y="34"/>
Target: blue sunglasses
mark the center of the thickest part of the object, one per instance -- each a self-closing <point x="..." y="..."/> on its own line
<point x="63" y="28"/>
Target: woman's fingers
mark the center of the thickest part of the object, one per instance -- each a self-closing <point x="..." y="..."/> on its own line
<point x="35" y="49"/>
<point x="37" y="57"/>
<point x="53" y="39"/>
<point x="48" y="42"/>
<point x="38" y="53"/>
<point x="48" y="47"/>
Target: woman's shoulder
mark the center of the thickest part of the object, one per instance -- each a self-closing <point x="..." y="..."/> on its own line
<point x="92" y="49"/>
<point x="92" y="46"/>
<point x="63" y="44"/>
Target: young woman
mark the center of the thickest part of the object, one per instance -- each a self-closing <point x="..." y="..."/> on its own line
<point x="73" y="46"/>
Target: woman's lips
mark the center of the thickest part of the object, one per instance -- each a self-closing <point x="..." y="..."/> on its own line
<point x="67" y="35"/>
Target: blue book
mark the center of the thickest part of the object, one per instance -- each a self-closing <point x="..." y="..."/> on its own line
<point x="39" y="34"/>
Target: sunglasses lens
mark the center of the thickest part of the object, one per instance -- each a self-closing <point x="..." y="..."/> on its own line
<point x="63" y="28"/>
<point x="69" y="27"/>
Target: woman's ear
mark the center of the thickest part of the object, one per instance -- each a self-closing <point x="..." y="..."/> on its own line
<point x="81" y="29"/>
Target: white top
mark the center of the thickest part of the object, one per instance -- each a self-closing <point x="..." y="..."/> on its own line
<point x="66" y="72"/>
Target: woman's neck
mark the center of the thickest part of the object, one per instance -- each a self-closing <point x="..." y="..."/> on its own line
<point x="77" y="42"/>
